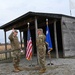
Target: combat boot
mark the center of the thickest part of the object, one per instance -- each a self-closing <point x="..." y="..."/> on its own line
<point x="16" y="69"/>
<point x="20" y="69"/>
<point x="42" y="70"/>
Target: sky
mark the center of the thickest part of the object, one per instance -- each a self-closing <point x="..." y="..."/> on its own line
<point x="11" y="9"/>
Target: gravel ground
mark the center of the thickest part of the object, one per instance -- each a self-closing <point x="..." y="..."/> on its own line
<point x="61" y="67"/>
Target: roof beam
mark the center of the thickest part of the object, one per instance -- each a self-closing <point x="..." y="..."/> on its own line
<point x="19" y="24"/>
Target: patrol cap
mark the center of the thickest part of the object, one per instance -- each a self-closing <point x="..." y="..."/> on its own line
<point x="16" y="31"/>
<point x="40" y="29"/>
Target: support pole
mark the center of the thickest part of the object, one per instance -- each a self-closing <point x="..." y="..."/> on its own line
<point x="5" y="44"/>
<point x="55" y="37"/>
<point x="70" y="7"/>
<point x="70" y="12"/>
<point x="48" y="43"/>
<point x="24" y="38"/>
<point x="36" y="27"/>
<point x="62" y="39"/>
<point x="21" y="39"/>
<point x="36" y="35"/>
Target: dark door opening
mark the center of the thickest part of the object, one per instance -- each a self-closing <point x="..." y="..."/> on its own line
<point x="59" y="39"/>
<point x="53" y="52"/>
<point x="33" y="36"/>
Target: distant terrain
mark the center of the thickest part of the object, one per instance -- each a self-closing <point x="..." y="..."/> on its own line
<point x="2" y="47"/>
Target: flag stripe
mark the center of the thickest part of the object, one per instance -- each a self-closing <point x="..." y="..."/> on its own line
<point x="29" y="50"/>
<point x="29" y="46"/>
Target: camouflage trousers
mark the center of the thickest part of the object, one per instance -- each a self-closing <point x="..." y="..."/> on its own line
<point x="41" y="53"/>
<point x="16" y="58"/>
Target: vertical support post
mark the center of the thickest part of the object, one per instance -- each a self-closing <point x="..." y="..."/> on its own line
<point x="36" y="27"/>
<point x="36" y="35"/>
<point x="62" y="39"/>
<point x="24" y="37"/>
<point x="70" y="12"/>
<point x="21" y="39"/>
<point x="70" y="7"/>
<point x="55" y="37"/>
<point x="5" y="44"/>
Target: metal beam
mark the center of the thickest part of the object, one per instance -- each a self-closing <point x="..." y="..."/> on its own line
<point x="19" y="24"/>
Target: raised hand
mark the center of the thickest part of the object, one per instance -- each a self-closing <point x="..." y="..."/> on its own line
<point x="13" y="29"/>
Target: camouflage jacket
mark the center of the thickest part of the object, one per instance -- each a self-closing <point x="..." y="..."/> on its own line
<point x="14" y="41"/>
<point x="40" y="41"/>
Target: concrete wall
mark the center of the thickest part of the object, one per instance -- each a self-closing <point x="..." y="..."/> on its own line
<point x="68" y="36"/>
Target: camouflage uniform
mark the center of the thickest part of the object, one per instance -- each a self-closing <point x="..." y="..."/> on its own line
<point x="41" y="49"/>
<point x="15" y="46"/>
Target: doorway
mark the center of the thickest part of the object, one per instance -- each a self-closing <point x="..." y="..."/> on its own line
<point x="59" y="39"/>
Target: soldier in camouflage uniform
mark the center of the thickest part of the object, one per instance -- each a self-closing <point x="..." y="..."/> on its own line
<point x="15" y="46"/>
<point x="41" y="50"/>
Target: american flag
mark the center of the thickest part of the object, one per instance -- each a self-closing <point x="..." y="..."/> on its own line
<point x="29" y="46"/>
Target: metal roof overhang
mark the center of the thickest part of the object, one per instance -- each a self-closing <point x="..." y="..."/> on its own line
<point x="22" y="21"/>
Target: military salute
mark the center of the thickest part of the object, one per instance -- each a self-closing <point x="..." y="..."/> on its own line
<point x="41" y="50"/>
<point x="15" y="46"/>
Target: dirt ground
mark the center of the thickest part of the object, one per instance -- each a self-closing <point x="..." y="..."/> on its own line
<point x="61" y="67"/>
